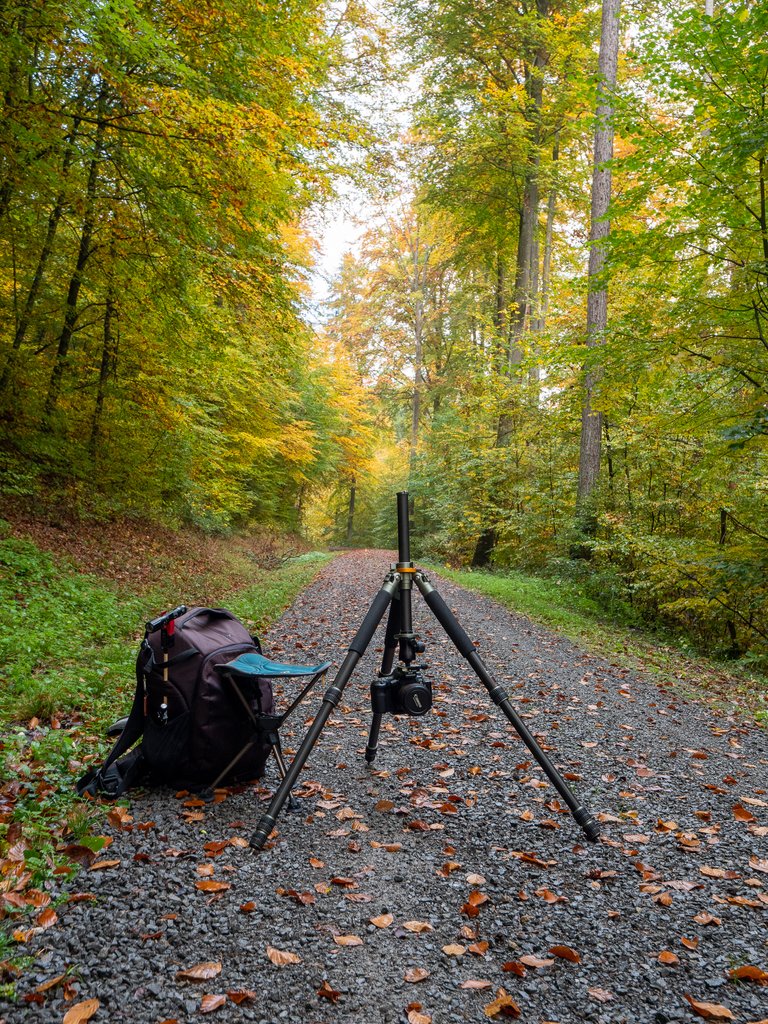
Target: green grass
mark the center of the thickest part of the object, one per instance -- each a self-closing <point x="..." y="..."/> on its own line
<point x="68" y="644"/>
<point x="562" y="606"/>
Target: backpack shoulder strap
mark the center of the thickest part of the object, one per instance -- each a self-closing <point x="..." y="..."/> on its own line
<point x="101" y="781"/>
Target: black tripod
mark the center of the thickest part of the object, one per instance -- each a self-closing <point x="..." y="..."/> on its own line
<point x="404" y="690"/>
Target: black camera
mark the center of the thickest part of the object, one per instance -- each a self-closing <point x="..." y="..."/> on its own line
<point x="405" y="692"/>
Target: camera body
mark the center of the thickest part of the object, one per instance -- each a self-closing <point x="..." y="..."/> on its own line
<point x="405" y="692"/>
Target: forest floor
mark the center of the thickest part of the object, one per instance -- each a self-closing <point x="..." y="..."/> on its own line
<point x="447" y="882"/>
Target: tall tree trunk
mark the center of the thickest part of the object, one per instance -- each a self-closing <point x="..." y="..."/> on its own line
<point x="597" y="295"/>
<point x="25" y="317"/>
<point x="526" y="252"/>
<point x="351" y="511"/>
<point x="76" y="281"/>
<point x="108" y="356"/>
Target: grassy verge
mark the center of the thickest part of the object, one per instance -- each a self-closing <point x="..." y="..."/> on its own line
<point x="565" y="608"/>
<point x="68" y="643"/>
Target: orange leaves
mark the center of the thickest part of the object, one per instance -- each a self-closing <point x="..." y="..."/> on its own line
<point x="304" y="899"/>
<point x="200" y="972"/>
<point x="213" y="1002"/>
<point x="347" y="940"/>
<point x="669" y="958"/>
<point x="531" y="961"/>
<point x="454" y="949"/>
<point x="281" y="957"/>
<point x="416" y="974"/>
<point x="709" y="1011"/>
<point x="741" y="813"/>
<point x="382" y="921"/>
<point x="750" y="973"/>
<point x="475" y="900"/>
<point x="81" y="1012"/>
<point x="566" y="953"/>
<point x="418" y="926"/>
<point x="503" y="1005"/>
<point x="208" y="885"/>
<point x="326" y="992"/>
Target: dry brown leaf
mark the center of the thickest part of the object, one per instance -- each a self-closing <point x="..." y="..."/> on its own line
<point x="208" y="885"/>
<point x="210" y="1003"/>
<point x="750" y="973"/>
<point x="344" y="883"/>
<point x="758" y="865"/>
<point x="51" y="983"/>
<point x="718" y="872"/>
<point x="416" y="1017"/>
<point x="535" y="961"/>
<point x="704" y="918"/>
<point x="200" y="972"/>
<point x="454" y="949"/>
<point x="239" y="996"/>
<point x="81" y="1012"/>
<point x="417" y="926"/>
<point x="566" y="953"/>
<point x="102" y="865"/>
<point x="741" y="813"/>
<point x="666" y="956"/>
<point x="281" y="957"/>
<point x="315" y="863"/>
<point x="47" y="918"/>
<point x="416" y="974"/>
<point x="710" y="1011"/>
<point x="475" y="984"/>
<point x="690" y="943"/>
<point x="382" y="921"/>
<point x="515" y="967"/>
<point x="476" y="879"/>
<point x="248" y="908"/>
<point x="347" y="940"/>
<point x="326" y="992"/>
<point x="503" y="1003"/>
<point x="479" y="948"/>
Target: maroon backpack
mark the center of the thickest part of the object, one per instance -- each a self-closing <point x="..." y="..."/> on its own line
<point x="190" y="722"/>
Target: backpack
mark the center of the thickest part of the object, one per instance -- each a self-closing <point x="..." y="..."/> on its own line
<point x="190" y="723"/>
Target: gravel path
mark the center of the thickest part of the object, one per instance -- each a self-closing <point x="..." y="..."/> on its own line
<point x="455" y="836"/>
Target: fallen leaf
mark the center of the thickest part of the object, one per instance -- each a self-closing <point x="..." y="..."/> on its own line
<point x="758" y="865"/>
<point x="248" y="908"/>
<point x="326" y="992"/>
<point x="718" y="872"/>
<point x="81" y="1012"/>
<point x="704" y="918"/>
<point x="344" y="883"/>
<point x="315" y="863"/>
<point x="347" y="940"/>
<point x="475" y="984"/>
<point x="741" y="813"/>
<point x="281" y="957"/>
<point x="382" y="921"/>
<point x="200" y="972"/>
<point x="418" y="926"/>
<point x="416" y="1017"/>
<point x="210" y="886"/>
<point x="454" y="949"/>
<point x="416" y="974"/>
<point x="242" y="996"/>
<point x="102" y="865"/>
<point x="211" y="1003"/>
<point x="566" y="953"/>
<point x="666" y="956"/>
<point x="51" y="983"/>
<point x="750" y="973"/>
<point x="710" y="1011"/>
<point x="534" y="961"/>
<point x="516" y="967"/>
<point x="503" y="1003"/>
<point x="479" y="948"/>
<point x="690" y="943"/>
<point x="476" y="879"/>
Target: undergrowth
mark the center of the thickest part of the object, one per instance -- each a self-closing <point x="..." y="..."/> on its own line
<point x="68" y="643"/>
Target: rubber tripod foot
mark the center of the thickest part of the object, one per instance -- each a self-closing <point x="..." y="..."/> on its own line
<point x="261" y="834"/>
<point x="370" y="755"/>
<point x="588" y="824"/>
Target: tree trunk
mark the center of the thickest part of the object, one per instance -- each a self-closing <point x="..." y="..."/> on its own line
<point x="597" y="295"/>
<point x="75" y="283"/>
<point x="29" y="305"/>
<point x="108" y="363"/>
<point x="351" y="512"/>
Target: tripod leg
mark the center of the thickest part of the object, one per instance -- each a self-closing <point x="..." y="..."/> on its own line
<point x="330" y="701"/>
<point x="499" y="696"/>
<point x="373" y="739"/>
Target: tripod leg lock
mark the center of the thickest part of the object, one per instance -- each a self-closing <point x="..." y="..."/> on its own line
<point x="333" y="696"/>
<point x="498" y="695"/>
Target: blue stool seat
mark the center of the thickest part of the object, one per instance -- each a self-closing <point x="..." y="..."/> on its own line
<point x="257" y="665"/>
